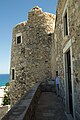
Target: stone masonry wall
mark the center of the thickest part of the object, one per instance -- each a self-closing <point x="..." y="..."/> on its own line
<point x="73" y="8"/>
<point x="31" y="59"/>
<point x="3" y="111"/>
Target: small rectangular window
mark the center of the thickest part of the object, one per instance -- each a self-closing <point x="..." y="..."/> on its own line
<point x="18" y="39"/>
<point x="65" y="25"/>
<point x="13" y="74"/>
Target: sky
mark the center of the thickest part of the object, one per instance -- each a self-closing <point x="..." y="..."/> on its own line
<point x="13" y="12"/>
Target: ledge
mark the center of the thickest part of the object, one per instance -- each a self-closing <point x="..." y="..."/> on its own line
<point x="25" y="107"/>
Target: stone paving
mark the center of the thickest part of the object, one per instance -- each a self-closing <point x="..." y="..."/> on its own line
<point x="49" y="107"/>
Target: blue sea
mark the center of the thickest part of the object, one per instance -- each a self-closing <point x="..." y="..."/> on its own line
<point x="4" y="78"/>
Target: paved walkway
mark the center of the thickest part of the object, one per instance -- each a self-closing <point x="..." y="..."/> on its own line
<point x="49" y="107"/>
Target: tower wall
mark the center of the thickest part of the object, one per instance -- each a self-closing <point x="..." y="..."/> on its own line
<point x="31" y="59"/>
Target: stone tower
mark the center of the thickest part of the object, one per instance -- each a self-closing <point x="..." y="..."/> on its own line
<point x="31" y="52"/>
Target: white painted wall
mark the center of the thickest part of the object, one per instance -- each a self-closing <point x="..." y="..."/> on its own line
<point x="1" y="94"/>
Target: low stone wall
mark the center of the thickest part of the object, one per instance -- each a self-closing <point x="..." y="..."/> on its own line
<point x="3" y="111"/>
<point x="24" y="109"/>
<point x="48" y="86"/>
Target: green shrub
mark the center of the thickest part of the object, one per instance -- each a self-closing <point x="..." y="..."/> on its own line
<point x="6" y="100"/>
<point x="7" y="84"/>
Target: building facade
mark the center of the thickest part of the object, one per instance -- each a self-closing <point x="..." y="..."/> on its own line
<point x="67" y="54"/>
<point x="31" y="52"/>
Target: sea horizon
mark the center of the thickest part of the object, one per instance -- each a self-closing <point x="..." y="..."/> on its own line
<point x="4" y="78"/>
